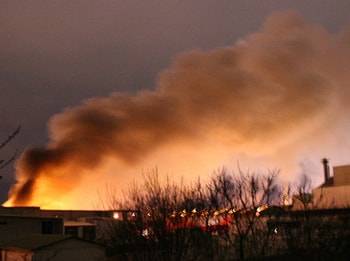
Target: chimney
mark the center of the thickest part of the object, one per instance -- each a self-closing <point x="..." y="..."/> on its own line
<point x="325" y="169"/>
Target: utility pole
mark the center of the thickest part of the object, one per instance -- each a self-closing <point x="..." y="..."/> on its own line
<point x="4" y="163"/>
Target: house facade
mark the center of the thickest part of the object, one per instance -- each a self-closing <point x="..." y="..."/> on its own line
<point x="51" y="247"/>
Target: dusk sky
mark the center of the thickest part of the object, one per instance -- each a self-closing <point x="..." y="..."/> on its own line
<point x="55" y="54"/>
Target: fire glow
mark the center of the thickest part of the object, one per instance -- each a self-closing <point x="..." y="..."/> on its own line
<point x="268" y="92"/>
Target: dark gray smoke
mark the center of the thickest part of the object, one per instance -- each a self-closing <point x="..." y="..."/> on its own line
<point x="258" y="91"/>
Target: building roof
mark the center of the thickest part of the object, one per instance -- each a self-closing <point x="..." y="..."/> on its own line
<point x="30" y="217"/>
<point x="31" y="242"/>
<point x="37" y="241"/>
<point x="71" y="223"/>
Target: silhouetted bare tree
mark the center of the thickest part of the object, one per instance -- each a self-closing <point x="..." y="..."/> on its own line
<point x="235" y="216"/>
<point x="244" y="196"/>
<point x="218" y="221"/>
<point x="310" y="231"/>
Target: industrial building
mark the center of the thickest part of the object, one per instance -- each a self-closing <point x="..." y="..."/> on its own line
<point x="335" y="191"/>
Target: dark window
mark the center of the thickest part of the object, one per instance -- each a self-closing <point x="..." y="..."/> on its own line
<point x="71" y="231"/>
<point x="89" y="233"/>
<point x="47" y="227"/>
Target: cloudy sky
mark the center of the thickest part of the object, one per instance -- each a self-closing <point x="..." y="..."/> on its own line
<point x="54" y="54"/>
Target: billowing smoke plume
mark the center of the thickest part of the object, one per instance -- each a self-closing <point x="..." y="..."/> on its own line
<point x="254" y="94"/>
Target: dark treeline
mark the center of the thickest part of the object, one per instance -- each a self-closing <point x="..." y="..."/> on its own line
<point x="234" y="216"/>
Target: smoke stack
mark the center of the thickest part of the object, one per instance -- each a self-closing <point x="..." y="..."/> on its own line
<point x="325" y="169"/>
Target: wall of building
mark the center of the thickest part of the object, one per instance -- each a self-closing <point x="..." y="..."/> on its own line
<point x="342" y="175"/>
<point x="332" y="197"/>
<point x="76" y="214"/>
<point x="82" y="230"/>
<point x="13" y="226"/>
